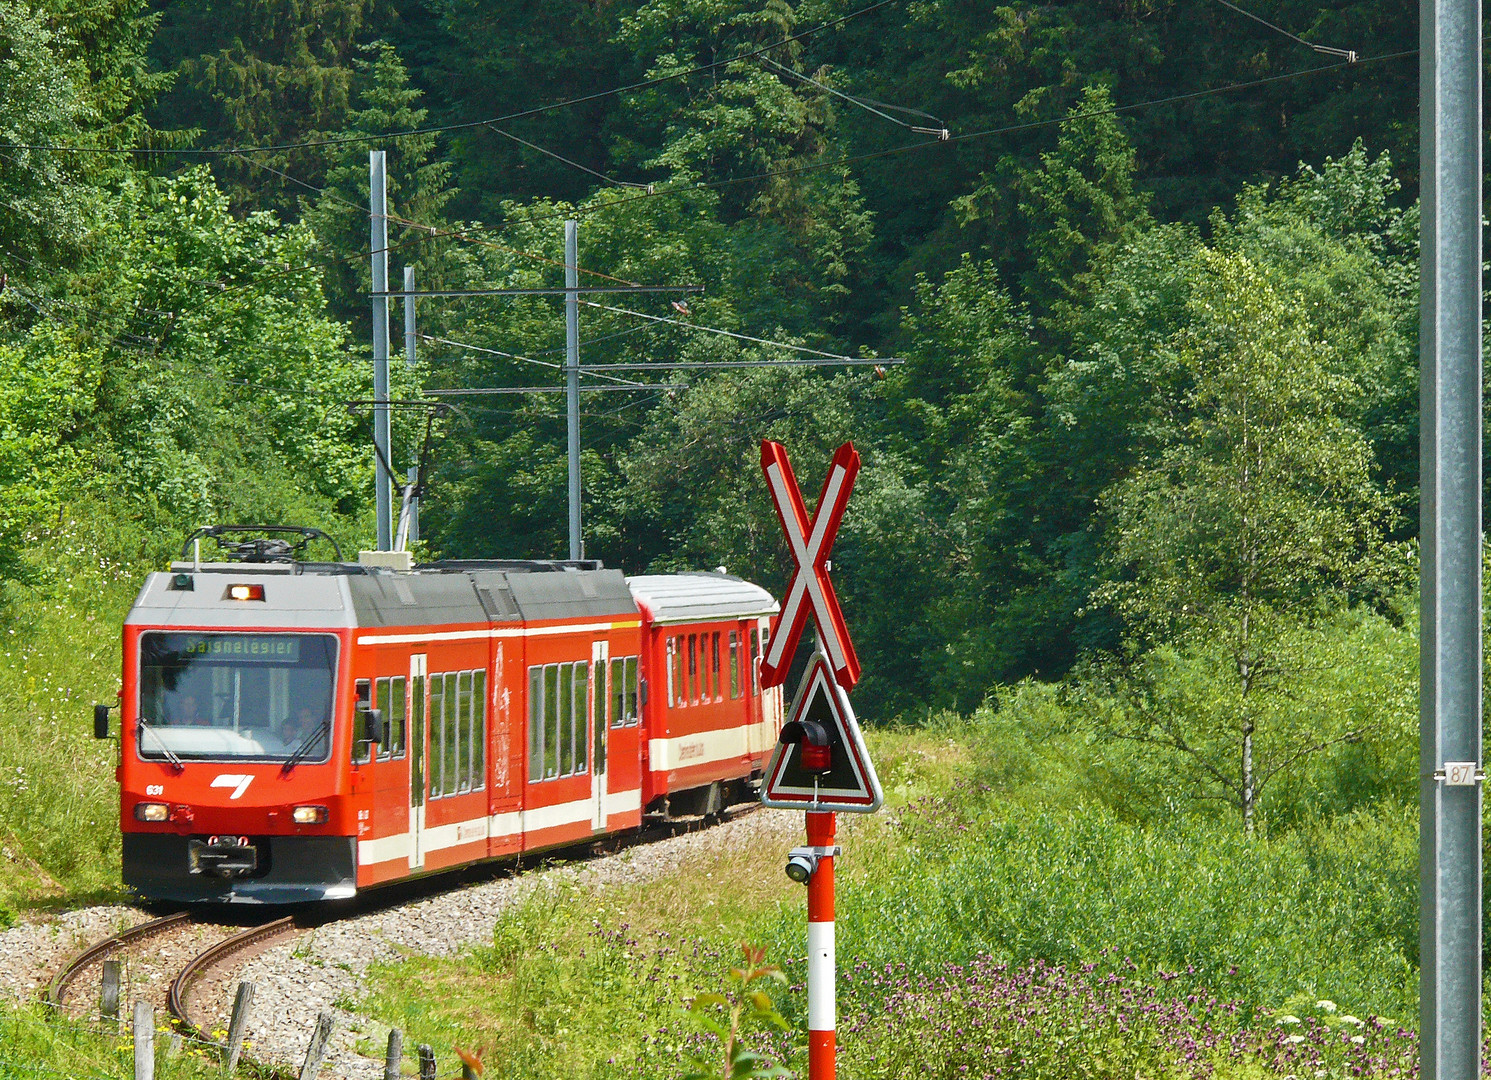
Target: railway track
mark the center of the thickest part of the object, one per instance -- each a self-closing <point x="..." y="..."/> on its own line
<point x="221" y="953"/>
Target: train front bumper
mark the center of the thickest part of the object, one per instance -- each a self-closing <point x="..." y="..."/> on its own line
<point x="286" y="870"/>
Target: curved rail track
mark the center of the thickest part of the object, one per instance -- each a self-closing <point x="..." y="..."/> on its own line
<point x="56" y="992"/>
<point x="210" y="957"/>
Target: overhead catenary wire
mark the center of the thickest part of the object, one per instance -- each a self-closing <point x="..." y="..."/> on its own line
<point x="518" y="356"/>
<point x="869" y="104"/>
<point x="1349" y="55"/>
<point x="838" y="357"/>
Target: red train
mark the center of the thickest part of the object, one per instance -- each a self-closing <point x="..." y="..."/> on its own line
<point x="296" y="730"/>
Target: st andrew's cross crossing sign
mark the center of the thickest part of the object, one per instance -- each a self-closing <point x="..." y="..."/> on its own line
<point x="820" y="762"/>
<point x="811" y="540"/>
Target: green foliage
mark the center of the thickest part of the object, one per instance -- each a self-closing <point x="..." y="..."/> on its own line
<point x="731" y="1016"/>
<point x="1328" y="908"/>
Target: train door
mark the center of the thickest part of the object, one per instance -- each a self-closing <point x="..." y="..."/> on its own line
<point x="419" y="742"/>
<point x="599" y="652"/>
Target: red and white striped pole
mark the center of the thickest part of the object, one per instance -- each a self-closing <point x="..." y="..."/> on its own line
<point x="822" y="1018"/>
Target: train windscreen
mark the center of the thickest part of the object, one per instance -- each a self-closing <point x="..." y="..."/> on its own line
<point x="234" y="696"/>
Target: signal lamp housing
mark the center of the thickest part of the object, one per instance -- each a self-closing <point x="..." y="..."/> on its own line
<point x="245" y="592"/>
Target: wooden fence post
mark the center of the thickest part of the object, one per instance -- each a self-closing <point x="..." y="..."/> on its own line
<point x="144" y="1041"/>
<point x="108" y="996"/>
<point x="426" y="1062"/>
<point x="316" y="1052"/>
<point x="243" y="1001"/>
<point x="393" y="1064"/>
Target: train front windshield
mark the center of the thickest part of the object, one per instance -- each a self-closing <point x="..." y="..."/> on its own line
<point x="228" y="696"/>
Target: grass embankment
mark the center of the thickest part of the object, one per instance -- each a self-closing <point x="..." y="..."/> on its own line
<point x="985" y="928"/>
<point x="59" y="654"/>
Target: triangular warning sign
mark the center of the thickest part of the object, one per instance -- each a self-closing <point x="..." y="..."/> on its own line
<point x="849" y="784"/>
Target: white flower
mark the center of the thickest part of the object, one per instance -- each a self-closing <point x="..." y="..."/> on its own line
<point x="1320" y="1074"/>
<point x="1358" y="1039"/>
<point x="1294" y="1038"/>
<point x="1328" y="1006"/>
<point x="1347" y="1018"/>
<point x="1287" y="1019"/>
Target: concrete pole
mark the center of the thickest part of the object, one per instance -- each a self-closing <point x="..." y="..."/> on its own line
<point x="572" y="378"/>
<point x="378" y="211"/>
<point x="1450" y="534"/>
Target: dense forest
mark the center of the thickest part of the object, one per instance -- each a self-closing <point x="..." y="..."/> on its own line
<point x="1143" y="276"/>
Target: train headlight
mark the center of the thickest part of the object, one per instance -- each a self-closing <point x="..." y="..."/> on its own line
<point x="310" y="815"/>
<point x="152" y="811"/>
<point x="245" y="592"/>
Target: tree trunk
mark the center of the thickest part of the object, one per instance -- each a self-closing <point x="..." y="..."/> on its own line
<point x="1247" y="776"/>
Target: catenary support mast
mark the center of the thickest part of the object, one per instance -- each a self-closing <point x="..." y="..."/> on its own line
<point x="378" y="211"/>
<point x="572" y="378"/>
<point x="1450" y="523"/>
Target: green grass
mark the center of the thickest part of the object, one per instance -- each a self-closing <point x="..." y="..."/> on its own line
<point x="34" y="1046"/>
<point x="59" y="654"/>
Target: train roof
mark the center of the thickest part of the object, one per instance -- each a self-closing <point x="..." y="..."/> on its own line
<point x="465" y="591"/>
<point x="700" y="597"/>
<point x="347" y="594"/>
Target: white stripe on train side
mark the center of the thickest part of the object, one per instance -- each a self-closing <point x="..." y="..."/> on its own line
<point x="510" y="823"/>
<point x="706" y="747"/>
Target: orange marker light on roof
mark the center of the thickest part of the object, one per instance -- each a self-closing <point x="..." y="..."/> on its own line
<point x="245" y="592"/>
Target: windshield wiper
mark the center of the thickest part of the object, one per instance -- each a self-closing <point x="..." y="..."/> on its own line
<point x="175" y="761"/>
<point x="304" y="749"/>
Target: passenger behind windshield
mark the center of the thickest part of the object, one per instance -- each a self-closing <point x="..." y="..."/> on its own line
<point x="224" y="696"/>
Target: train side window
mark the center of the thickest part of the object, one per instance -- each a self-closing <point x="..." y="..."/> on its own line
<point x="618" y="692"/>
<point x="693" y="669"/>
<point x="755" y="661"/>
<point x="734" y="646"/>
<point x="478" y="729"/>
<point x="398" y="727"/>
<point x="437" y="759"/>
<point x="551" y="721"/>
<point x="382" y="701"/>
<point x="535" y="723"/>
<point x="582" y="694"/>
<point x="362" y="750"/>
<point x="714" y="665"/>
<point x="633" y="693"/>
<point x="450" y="774"/>
<point x="598" y="720"/>
<point x="670" y="659"/>
<point x="463" y="731"/>
<point x="566" y="719"/>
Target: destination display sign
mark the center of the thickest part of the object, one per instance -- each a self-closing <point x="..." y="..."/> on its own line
<point x="242" y="648"/>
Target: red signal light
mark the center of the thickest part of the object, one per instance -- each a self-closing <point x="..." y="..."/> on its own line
<point x="817" y="758"/>
<point x="245" y="592"/>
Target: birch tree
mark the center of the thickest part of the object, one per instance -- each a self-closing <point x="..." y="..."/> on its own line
<point x="1261" y="499"/>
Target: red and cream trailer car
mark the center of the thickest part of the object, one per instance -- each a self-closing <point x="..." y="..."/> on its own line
<point x="297" y="731"/>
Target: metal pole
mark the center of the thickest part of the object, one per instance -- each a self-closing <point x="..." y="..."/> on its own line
<point x="822" y="1018"/>
<point x="572" y="378"/>
<point x="378" y="211"/>
<point x="1450" y="541"/>
<point x="410" y="337"/>
<point x="409" y="317"/>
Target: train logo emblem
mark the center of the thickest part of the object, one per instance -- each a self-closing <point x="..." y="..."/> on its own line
<point x="239" y="782"/>
<point x="811" y="540"/>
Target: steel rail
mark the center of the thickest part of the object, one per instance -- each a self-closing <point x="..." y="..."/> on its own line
<point x="176" y="998"/>
<point x="56" y="992"/>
